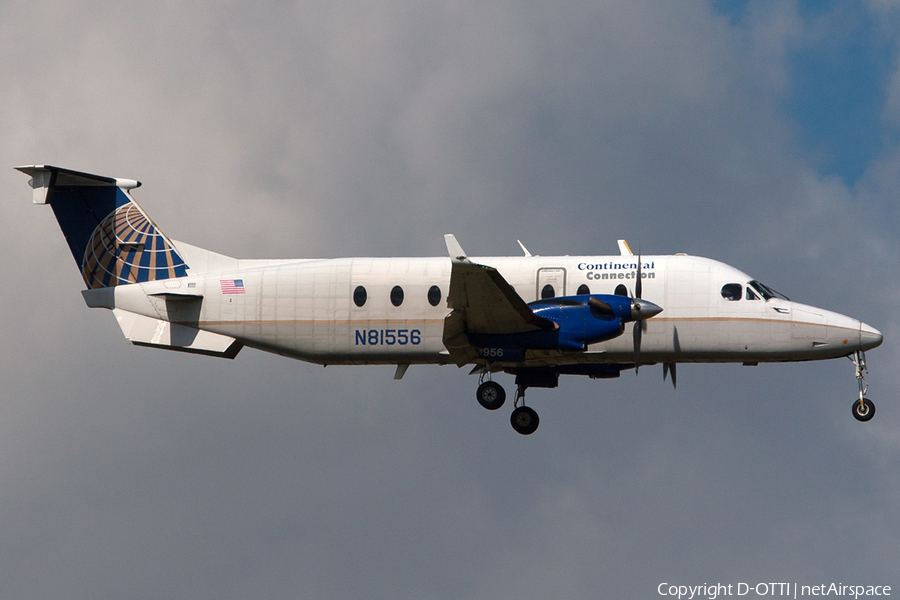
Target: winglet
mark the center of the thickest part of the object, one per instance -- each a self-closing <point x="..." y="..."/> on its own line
<point x="524" y="249"/>
<point x="624" y="250"/>
<point x="457" y="254"/>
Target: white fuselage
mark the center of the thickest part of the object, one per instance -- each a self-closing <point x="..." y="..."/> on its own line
<point x="306" y="309"/>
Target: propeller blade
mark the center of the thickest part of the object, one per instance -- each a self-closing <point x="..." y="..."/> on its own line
<point x="641" y="310"/>
<point x="670" y="367"/>
<point x="638" y="287"/>
<point x="636" y="333"/>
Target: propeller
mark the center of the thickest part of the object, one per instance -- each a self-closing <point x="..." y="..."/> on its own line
<point x="638" y="328"/>
<point x="641" y="310"/>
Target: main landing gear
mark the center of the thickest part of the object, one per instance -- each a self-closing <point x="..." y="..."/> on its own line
<point x="524" y="419"/>
<point x="863" y="409"/>
<point x="491" y="395"/>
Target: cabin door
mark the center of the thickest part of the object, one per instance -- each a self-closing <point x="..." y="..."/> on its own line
<point x="551" y="282"/>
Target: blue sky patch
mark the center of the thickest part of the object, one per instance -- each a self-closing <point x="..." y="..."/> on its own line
<point x="839" y="73"/>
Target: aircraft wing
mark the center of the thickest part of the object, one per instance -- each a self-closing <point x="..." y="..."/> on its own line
<point x="490" y="304"/>
<point x="482" y="302"/>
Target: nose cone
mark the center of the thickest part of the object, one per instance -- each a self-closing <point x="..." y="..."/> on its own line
<point x="869" y="337"/>
<point x="643" y="309"/>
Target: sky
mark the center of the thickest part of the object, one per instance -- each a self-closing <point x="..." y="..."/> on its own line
<point x="765" y="134"/>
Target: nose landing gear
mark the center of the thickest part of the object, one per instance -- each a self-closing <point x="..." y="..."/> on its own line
<point x="863" y="409"/>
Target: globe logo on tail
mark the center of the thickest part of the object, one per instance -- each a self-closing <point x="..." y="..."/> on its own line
<point x="128" y="248"/>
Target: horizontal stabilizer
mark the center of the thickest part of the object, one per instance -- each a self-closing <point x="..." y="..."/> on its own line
<point x="175" y="296"/>
<point x="155" y="333"/>
<point x="44" y="176"/>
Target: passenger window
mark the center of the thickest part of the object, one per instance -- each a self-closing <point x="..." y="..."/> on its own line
<point x="583" y="290"/>
<point x="397" y="295"/>
<point x="434" y="295"/>
<point x="732" y="291"/>
<point x="621" y="290"/>
<point x="547" y="292"/>
<point x="359" y="296"/>
<point x="751" y="295"/>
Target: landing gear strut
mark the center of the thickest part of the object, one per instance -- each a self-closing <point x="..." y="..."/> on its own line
<point x="863" y="409"/>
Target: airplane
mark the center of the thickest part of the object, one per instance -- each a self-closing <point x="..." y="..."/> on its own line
<point x="534" y="317"/>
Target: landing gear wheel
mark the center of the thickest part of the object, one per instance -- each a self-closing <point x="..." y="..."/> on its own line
<point x="524" y="420"/>
<point x="491" y="395"/>
<point x="863" y="409"/>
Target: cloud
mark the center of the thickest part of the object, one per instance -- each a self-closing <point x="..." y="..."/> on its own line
<point x="340" y="129"/>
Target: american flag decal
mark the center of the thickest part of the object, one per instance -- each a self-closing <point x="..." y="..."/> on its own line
<point x="232" y="286"/>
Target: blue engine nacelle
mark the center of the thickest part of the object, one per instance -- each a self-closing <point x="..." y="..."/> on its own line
<point x="584" y="320"/>
<point x="580" y="320"/>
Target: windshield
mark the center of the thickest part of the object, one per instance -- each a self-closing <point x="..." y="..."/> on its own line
<point x="767" y="292"/>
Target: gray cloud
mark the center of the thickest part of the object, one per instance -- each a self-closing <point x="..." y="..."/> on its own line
<point x="340" y="129"/>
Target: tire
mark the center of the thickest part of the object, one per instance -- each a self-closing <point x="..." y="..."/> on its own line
<point x="863" y="410"/>
<point x="524" y="420"/>
<point x="491" y="395"/>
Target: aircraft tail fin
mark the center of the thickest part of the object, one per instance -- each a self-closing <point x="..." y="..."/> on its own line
<point x="112" y="239"/>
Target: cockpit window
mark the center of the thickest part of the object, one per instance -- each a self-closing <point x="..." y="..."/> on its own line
<point x="732" y="291"/>
<point x="767" y="292"/>
<point x="751" y="295"/>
